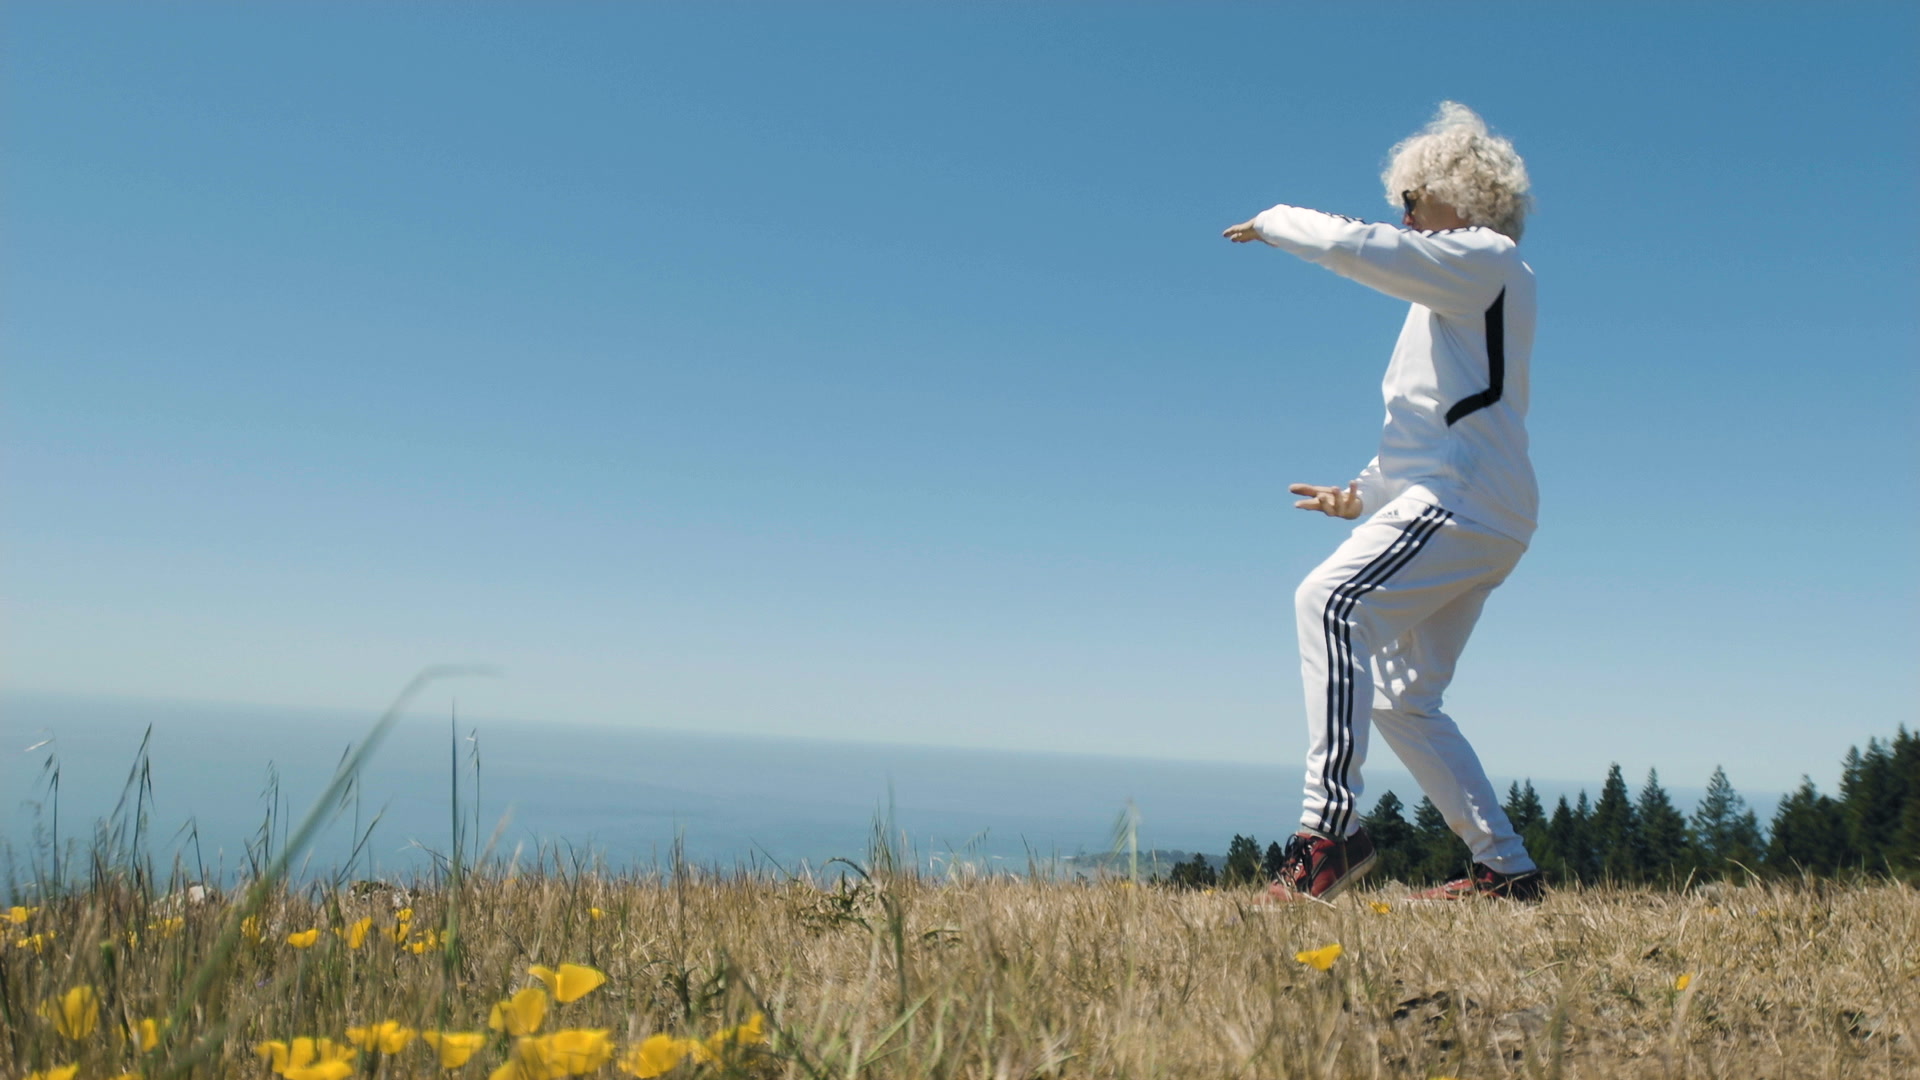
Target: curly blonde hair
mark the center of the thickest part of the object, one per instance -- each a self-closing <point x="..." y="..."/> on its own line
<point x="1458" y="161"/>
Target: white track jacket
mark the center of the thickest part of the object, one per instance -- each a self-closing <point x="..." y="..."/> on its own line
<point x="1456" y="388"/>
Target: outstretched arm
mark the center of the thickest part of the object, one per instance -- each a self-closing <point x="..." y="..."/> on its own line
<point x="1445" y="271"/>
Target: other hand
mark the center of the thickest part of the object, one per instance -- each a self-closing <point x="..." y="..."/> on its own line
<point x="1241" y="233"/>
<point x="1331" y="501"/>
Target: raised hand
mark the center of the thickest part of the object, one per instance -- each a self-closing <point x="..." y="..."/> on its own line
<point x="1331" y="501"/>
<point x="1241" y="233"/>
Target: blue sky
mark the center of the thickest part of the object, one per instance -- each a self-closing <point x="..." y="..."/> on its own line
<point x="879" y="373"/>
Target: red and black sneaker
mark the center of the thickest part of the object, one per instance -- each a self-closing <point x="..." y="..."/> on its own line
<point x="1316" y="868"/>
<point x="1486" y="883"/>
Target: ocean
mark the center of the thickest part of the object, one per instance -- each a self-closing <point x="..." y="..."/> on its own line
<point x="621" y="797"/>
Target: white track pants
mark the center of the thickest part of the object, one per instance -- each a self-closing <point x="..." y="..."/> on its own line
<point x="1382" y="622"/>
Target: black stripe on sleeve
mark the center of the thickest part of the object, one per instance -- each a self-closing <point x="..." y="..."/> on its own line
<point x="1496" y="364"/>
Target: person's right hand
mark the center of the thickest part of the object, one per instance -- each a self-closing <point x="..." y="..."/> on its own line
<point x="1331" y="501"/>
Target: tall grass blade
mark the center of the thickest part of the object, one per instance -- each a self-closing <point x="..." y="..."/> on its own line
<point x="220" y="957"/>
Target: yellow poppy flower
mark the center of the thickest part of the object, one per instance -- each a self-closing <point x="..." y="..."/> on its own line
<point x="250" y="928"/>
<point x="1322" y="958"/>
<point x="529" y="1057"/>
<point x="596" y="913"/>
<point x="278" y="1054"/>
<point x="1380" y="906"/>
<point x="574" y="1051"/>
<point x="18" y="915"/>
<point x="168" y="927"/>
<point x="521" y="1014"/>
<point x="747" y="1034"/>
<point x="308" y="1059"/>
<point x="571" y="982"/>
<point x="148" y="1033"/>
<point x="58" y="1072"/>
<point x="129" y="1076"/>
<point x="428" y="939"/>
<point x="454" y="1047"/>
<point x="387" y="1036"/>
<point x="36" y="942"/>
<point x="1683" y="981"/>
<point x="76" y="1014"/>
<point x="357" y="933"/>
<point x="658" y="1055"/>
<point x="304" y="939"/>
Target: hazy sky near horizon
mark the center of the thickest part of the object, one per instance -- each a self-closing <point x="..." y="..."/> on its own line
<point x="880" y="373"/>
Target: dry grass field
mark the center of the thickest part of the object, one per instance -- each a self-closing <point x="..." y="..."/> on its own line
<point x="902" y="976"/>
<point x="561" y="968"/>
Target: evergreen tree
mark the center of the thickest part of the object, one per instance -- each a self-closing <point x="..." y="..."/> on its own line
<point x="1903" y="851"/>
<point x="1583" y="830"/>
<point x="1203" y="872"/>
<point x="1870" y="801"/>
<point x="1724" y="830"/>
<point x="1616" y="831"/>
<point x="1243" y="861"/>
<point x="1523" y="806"/>
<point x="1393" y="838"/>
<point x="1195" y="873"/>
<point x="1272" y="864"/>
<point x="1443" y="856"/>
<point x="1538" y="839"/>
<point x="1558" y="849"/>
<point x="1663" y="834"/>
<point x="1809" y="834"/>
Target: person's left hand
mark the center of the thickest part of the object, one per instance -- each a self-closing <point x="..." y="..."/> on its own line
<point x="1331" y="501"/>
<point x="1241" y="233"/>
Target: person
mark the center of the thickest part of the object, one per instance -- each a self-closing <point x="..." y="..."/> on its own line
<point x="1446" y="507"/>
